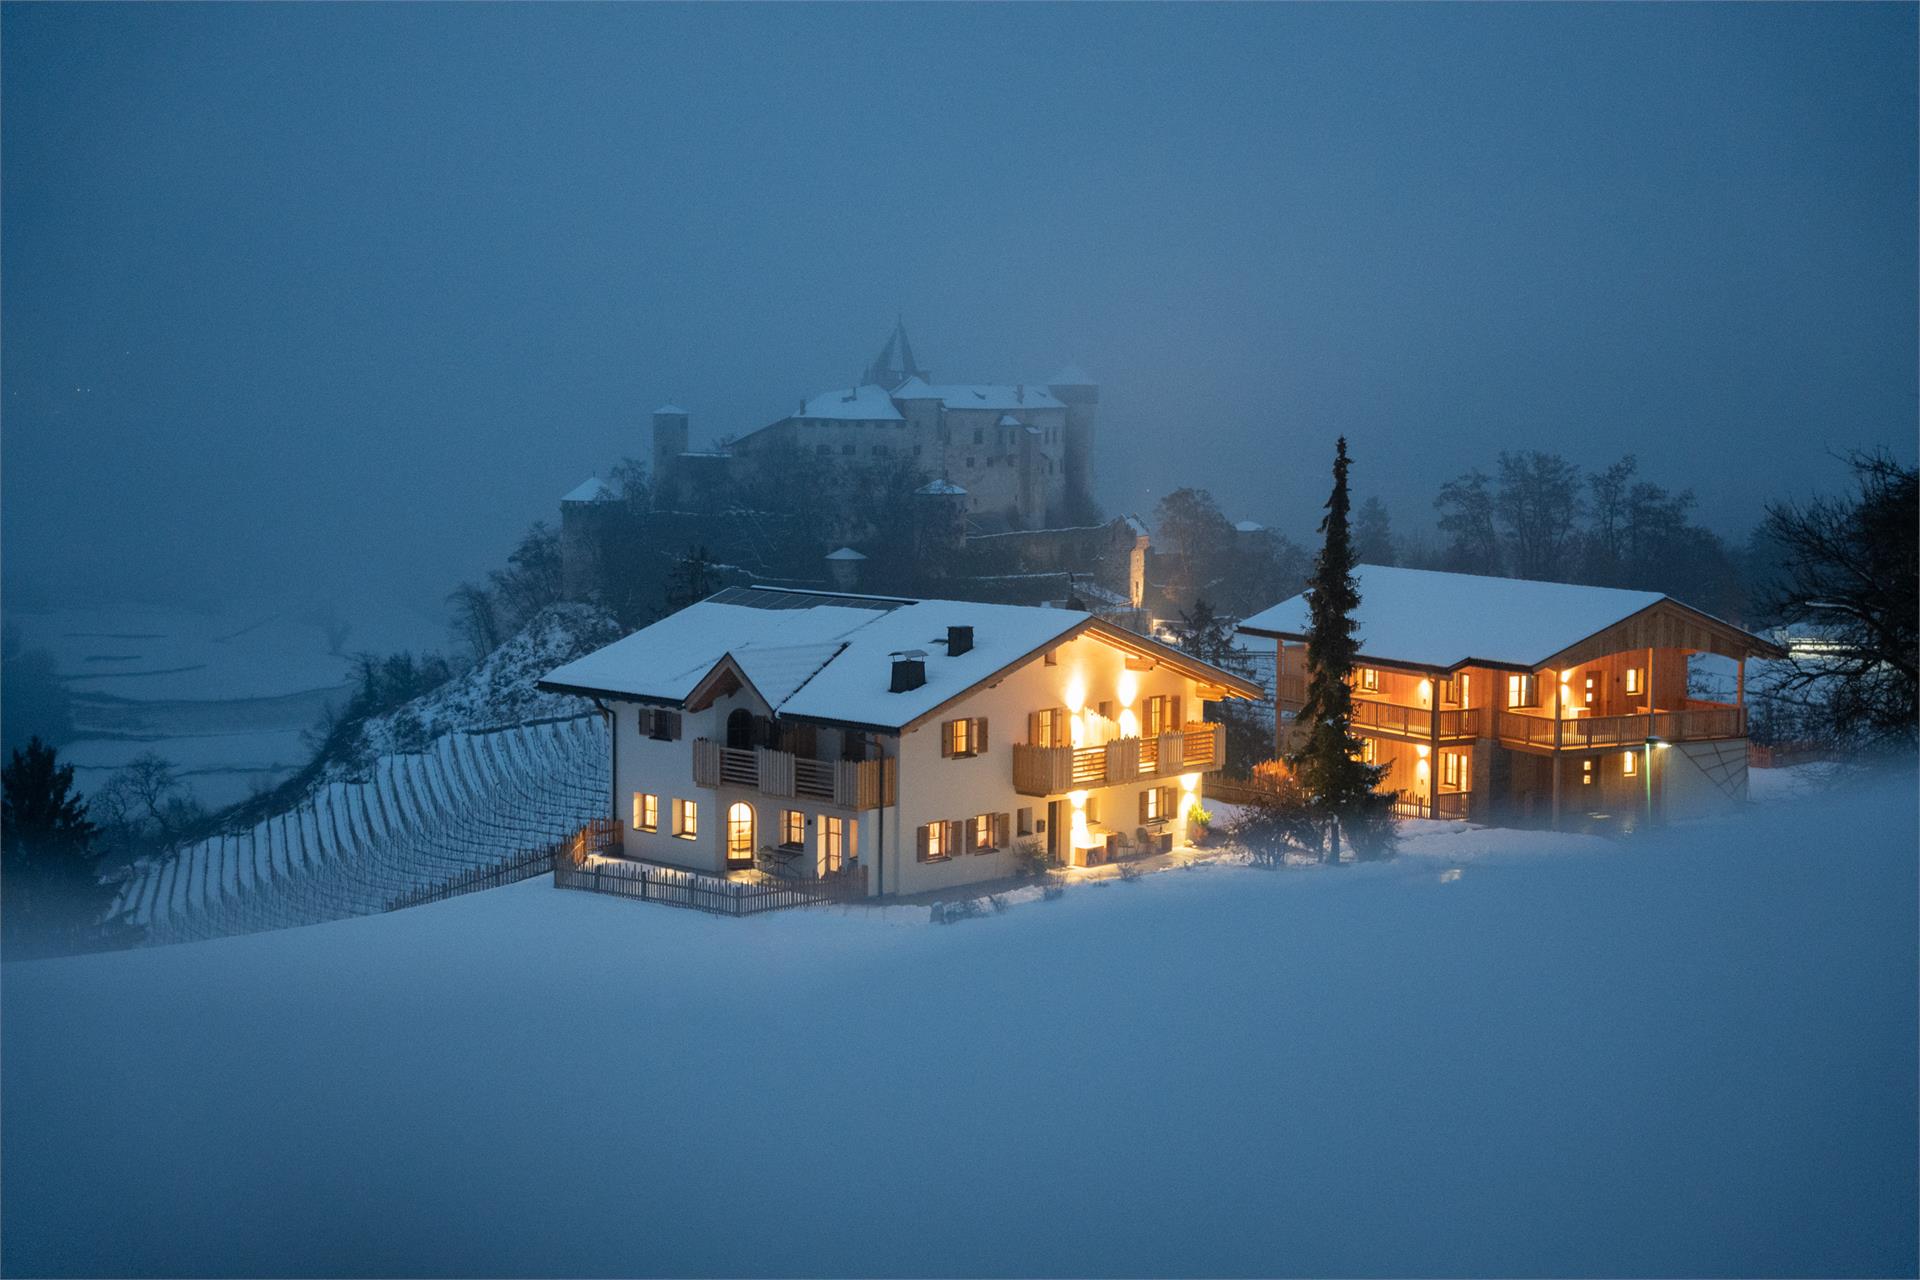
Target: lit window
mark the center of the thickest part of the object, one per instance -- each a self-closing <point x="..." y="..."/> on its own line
<point x="1369" y="750"/>
<point x="982" y="832"/>
<point x="1586" y="773"/>
<point x="1629" y="763"/>
<point x="793" y="828"/>
<point x="1150" y="804"/>
<point x="966" y="737"/>
<point x="1589" y="690"/>
<point x="686" y="819"/>
<point x="646" y="812"/>
<point x="1633" y="679"/>
<point x="1450" y="692"/>
<point x="1453" y="770"/>
<point x="1523" y="691"/>
<point x="1370" y="679"/>
<point x="1160" y="714"/>
<point x="933" y="842"/>
<point x="833" y="845"/>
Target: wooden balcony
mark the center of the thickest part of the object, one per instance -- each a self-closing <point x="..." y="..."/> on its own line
<point x="1053" y="771"/>
<point x="1695" y="722"/>
<point x="1418" y="723"/>
<point x="847" y="784"/>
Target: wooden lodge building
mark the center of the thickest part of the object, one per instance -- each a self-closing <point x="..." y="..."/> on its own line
<point x="1520" y="703"/>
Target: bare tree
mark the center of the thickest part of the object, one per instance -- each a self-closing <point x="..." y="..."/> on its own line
<point x="1465" y="504"/>
<point x="1538" y="506"/>
<point x="1851" y="574"/>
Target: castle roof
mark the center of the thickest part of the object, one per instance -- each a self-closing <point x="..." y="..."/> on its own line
<point x="864" y="403"/>
<point x="995" y="396"/>
<point x="592" y="489"/>
<point x="915" y="388"/>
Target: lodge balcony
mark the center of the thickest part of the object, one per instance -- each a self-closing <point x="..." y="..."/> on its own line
<point x="1053" y="771"/>
<point x="846" y="784"/>
<point x="1535" y="730"/>
<point x="1694" y="721"/>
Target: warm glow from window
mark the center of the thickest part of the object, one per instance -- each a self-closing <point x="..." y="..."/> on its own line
<point x="793" y="827"/>
<point x="1633" y="679"/>
<point x="740" y="832"/>
<point x="1586" y="773"/>
<point x="686" y="819"/>
<point x="1370" y="679"/>
<point x="833" y="844"/>
<point x="1629" y="763"/>
<point x="646" y="811"/>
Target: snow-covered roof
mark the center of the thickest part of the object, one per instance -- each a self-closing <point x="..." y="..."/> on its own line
<point x="845" y="553"/>
<point x="944" y="488"/>
<point x="592" y="489"/>
<point x="1447" y="619"/>
<point x="670" y="408"/>
<point x="1071" y="376"/>
<point x="915" y="388"/>
<point x="986" y="396"/>
<point x="1248" y="526"/>
<point x="853" y="404"/>
<point x="1008" y="420"/>
<point x="822" y="656"/>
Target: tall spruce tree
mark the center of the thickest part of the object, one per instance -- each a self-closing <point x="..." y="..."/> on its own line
<point x="1338" y="783"/>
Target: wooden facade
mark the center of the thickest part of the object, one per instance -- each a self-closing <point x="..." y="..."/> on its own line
<point x="1603" y="729"/>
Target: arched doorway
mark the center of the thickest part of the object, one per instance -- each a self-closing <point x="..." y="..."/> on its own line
<point x="740" y="835"/>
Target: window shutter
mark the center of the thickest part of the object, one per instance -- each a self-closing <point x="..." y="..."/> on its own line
<point x="956" y="837"/>
<point x="946" y="740"/>
<point x="1177" y="721"/>
<point x="980" y="736"/>
<point x="1002" y="824"/>
<point x="921" y="843"/>
<point x="1033" y="730"/>
<point x="1144" y="810"/>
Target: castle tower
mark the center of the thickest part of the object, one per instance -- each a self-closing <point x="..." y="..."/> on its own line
<point x="669" y="442"/>
<point x="895" y="363"/>
<point x="1073" y="388"/>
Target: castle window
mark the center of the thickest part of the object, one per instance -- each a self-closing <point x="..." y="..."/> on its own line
<point x="880" y="451"/>
<point x="979" y="435"/>
<point x="969" y="463"/>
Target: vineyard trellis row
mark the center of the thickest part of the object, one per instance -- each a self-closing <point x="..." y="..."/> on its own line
<point x="473" y="805"/>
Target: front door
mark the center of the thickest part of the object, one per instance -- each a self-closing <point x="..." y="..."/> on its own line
<point x="740" y="835"/>
<point x="1058" y="829"/>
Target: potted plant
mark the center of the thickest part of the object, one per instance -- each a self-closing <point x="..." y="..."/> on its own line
<point x="1199" y="826"/>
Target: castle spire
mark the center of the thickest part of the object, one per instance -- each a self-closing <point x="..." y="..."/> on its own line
<point x="895" y="363"/>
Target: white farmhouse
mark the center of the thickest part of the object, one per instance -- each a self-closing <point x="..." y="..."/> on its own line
<point x="913" y="743"/>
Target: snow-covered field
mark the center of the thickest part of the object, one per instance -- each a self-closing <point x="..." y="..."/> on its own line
<point x="1689" y="1054"/>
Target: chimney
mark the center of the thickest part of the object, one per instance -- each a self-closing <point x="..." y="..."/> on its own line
<point x="959" y="641"/>
<point x="909" y="670"/>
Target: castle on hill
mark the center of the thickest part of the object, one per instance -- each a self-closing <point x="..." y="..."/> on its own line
<point x="1022" y="452"/>
<point x="981" y="490"/>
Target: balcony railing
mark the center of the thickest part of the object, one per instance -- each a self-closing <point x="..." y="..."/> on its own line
<point x="1697" y="721"/>
<point x="848" y="784"/>
<point x="1418" y="722"/>
<point x="1052" y="771"/>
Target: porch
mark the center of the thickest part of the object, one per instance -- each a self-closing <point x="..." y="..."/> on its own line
<point x="736" y="893"/>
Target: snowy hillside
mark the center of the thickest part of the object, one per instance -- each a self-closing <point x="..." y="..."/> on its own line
<point x="1693" y="1054"/>
<point x="499" y="692"/>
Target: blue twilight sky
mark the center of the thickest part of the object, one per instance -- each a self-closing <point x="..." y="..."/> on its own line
<point x="342" y="297"/>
